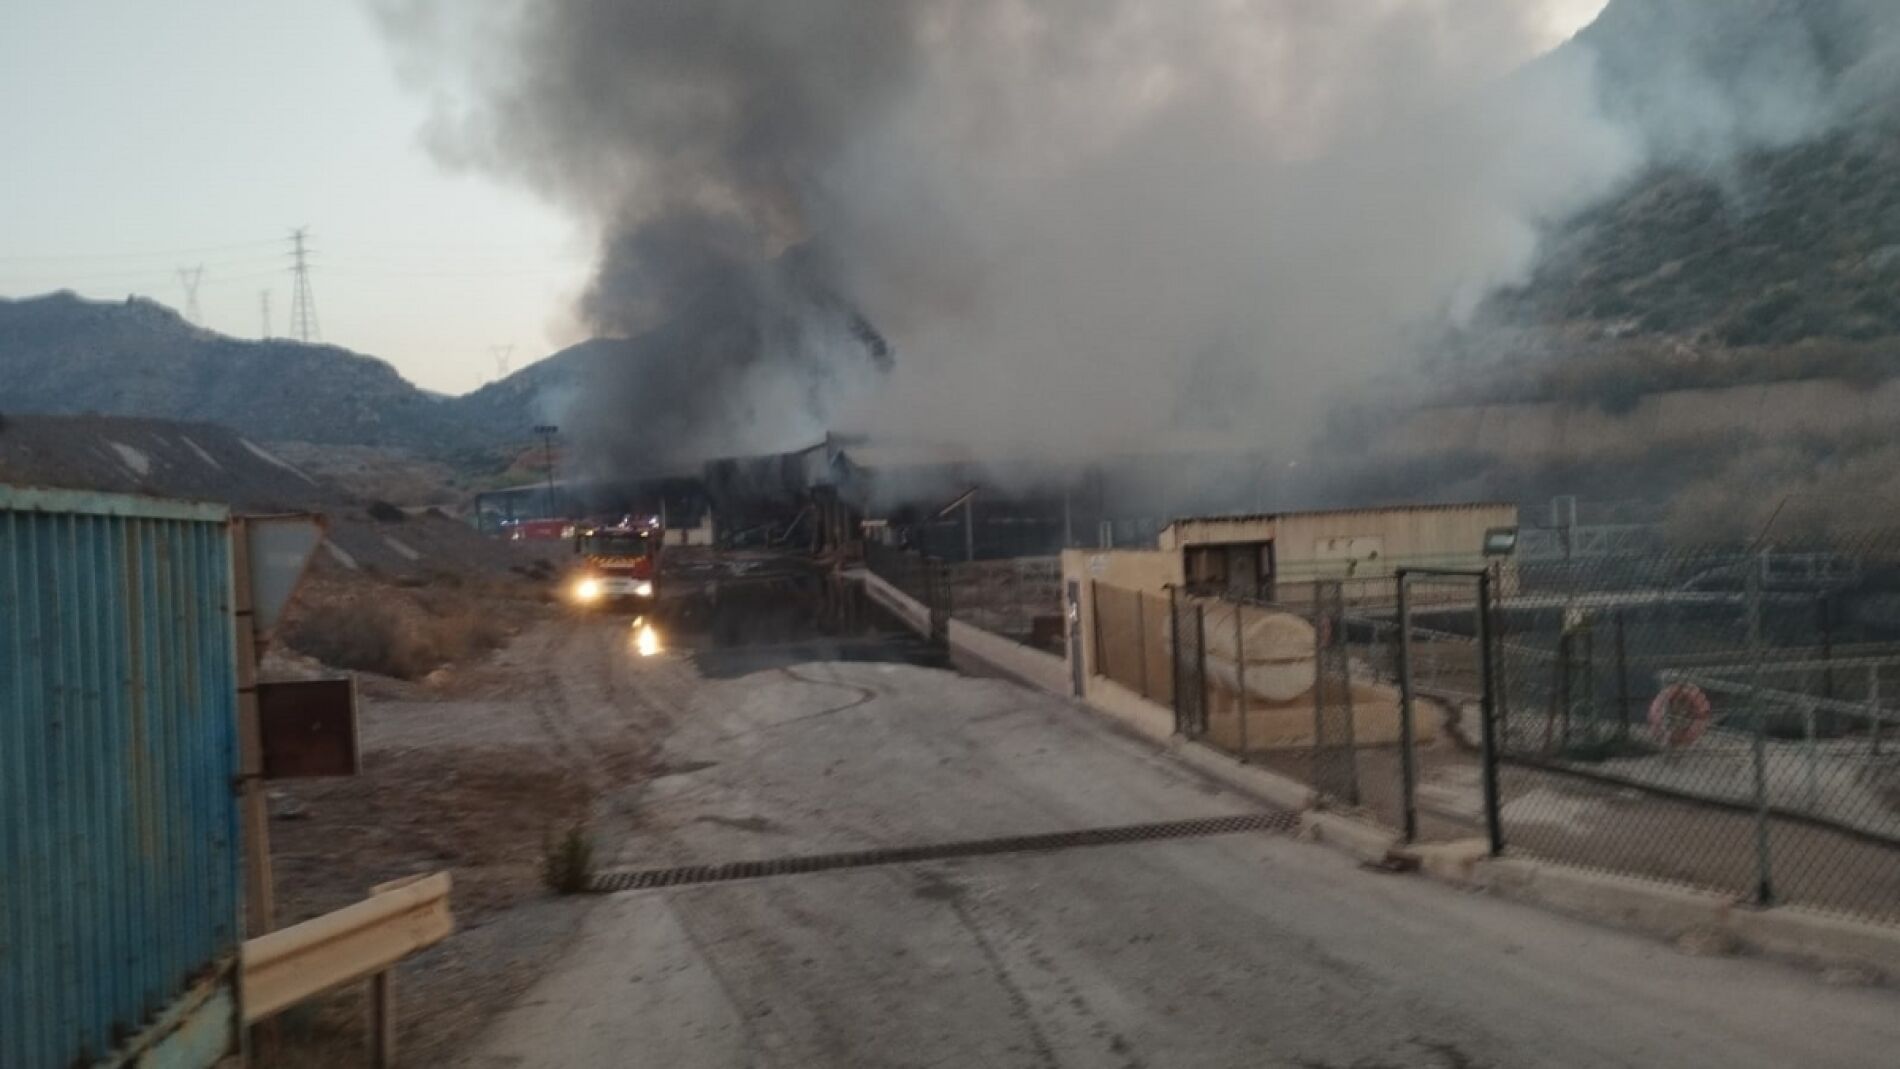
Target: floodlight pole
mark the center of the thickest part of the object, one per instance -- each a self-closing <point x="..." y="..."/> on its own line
<point x="547" y="431"/>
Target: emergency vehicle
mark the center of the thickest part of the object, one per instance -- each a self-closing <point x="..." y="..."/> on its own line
<point x="615" y="563"/>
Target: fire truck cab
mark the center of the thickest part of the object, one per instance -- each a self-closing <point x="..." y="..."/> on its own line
<point x="615" y="563"/>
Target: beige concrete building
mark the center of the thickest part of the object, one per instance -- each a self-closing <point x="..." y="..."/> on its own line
<point x="1274" y="558"/>
<point x="1258" y="556"/>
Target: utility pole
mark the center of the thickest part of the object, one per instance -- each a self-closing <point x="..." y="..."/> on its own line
<point x="263" y="301"/>
<point x="303" y="304"/>
<point x="547" y="431"/>
<point x="189" y="277"/>
<point x="502" y="355"/>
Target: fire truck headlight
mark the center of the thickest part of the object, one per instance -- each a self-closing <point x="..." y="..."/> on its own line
<point x="643" y="588"/>
<point x="587" y="590"/>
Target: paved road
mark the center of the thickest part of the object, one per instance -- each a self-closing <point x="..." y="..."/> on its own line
<point x="1245" y="950"/>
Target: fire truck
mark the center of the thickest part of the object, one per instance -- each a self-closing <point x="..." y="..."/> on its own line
<point x="615" y="563"/>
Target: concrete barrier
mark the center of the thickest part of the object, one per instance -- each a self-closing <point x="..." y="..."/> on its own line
<point x="1131" y="710"/>
<point x="972" y="647"/>
<point x="911" y="612"/>
<point x="996" y="654"/>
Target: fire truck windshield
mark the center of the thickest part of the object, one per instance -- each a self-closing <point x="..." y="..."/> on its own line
<point x="616" y="544"/>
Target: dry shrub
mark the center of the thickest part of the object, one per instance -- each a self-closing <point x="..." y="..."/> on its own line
<point x="567" y="863"/>
<point x="393" y="632"/>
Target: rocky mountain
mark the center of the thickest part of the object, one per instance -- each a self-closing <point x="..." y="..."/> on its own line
<point x="625" y="401"/>
<point x="1769" y="211"/>
<point x="65" y="354"/>
<point x="1716" y="343"/>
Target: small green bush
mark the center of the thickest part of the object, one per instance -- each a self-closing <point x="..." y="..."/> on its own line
<point x="567" y="863"/>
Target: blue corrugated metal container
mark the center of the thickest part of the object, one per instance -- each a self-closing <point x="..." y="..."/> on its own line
<point x="119" y="851"/>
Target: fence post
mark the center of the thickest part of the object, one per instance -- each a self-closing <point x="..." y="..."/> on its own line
<point x="1493" y="816"/>
<point x="1408" y="767"/>
<point x="1622" y="684"/>
<point x="1174" y="662"/>
<point x="1814" y="759"/>
<point x="1200" y="659"/>
<point x="1502" y="665"/>
<point x="1141" y="642"/>
<point x="1826" y="603"/>
<point x="1565" y="642"/>
<point x="1764" y="869"/>
<point x="1764" y="878"/>
<point x="1873" y="706"/>
<point x="1095" y="617"/>
<point x="1240" y="676"/>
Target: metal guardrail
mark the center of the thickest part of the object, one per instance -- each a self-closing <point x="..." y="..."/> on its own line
<point x="287" y="966"/>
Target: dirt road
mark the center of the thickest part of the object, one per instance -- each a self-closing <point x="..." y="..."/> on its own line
<point x="1235" y="950"/>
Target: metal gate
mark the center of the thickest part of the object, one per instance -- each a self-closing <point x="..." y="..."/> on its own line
<point x="1448" y="664"/>
<point x="119" y="852"/>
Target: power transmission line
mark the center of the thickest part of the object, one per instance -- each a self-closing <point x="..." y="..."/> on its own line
<point x="189" y="278"/>
<point x="303" y="304"/>
<point x="146" y="255"/>
<point x="263" y="299"/>
<point x="502" y="354"/>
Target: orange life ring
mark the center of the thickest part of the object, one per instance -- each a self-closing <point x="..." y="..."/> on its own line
<point x="1680" y="714"/>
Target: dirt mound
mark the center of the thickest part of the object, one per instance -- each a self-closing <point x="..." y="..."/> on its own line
<point x="360" y="624"/>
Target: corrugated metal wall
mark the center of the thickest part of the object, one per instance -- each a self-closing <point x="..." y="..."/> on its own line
<point x="119" y="852"/>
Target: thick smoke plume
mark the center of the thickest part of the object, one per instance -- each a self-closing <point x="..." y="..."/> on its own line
<point x="1078" y="223"/>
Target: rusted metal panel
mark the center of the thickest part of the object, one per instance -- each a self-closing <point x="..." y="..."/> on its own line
<point x="119" y="852"/>
<point x="308" y="727"/>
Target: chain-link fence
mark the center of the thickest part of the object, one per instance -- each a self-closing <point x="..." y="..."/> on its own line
<point x="1309" y="685"/>
<point x="1726" y="718"/>
<point x="924" y="580"/>
<point x="1721" y="718"/>
<point x="1019" y="599"/>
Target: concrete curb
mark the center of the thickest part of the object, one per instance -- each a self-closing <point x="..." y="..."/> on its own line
<point x="1819" y="938"/>
<point x="1361" y="839"/>
<point x="1283" y="791"/>
<point x="1653" y="907"/>
<point x="1114" y="702"/>
<point x="1667" y="911"/>
<point x="1454" y="862"/>
<point x="1005" y="657"/>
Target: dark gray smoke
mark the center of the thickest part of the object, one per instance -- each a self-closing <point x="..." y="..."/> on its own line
<point x="1078" y="226"/>
<point x="1078" y="223"/>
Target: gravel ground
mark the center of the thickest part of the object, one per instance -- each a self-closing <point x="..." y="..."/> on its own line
<point x="473" y="774"/>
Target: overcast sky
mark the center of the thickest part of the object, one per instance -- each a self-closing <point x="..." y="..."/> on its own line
<point x="137" y="138"/>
